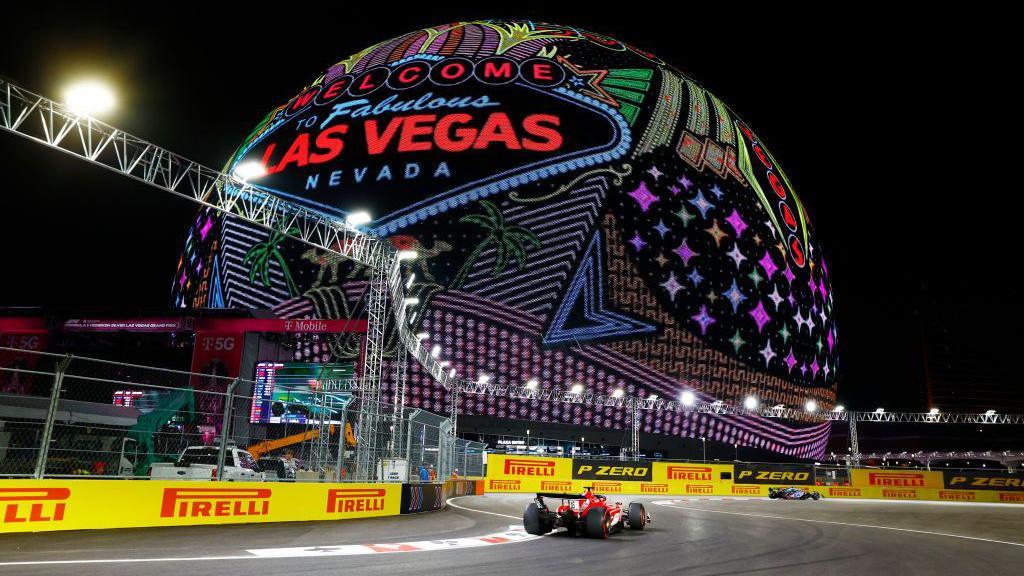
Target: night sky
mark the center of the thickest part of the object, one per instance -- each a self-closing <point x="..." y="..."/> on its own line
<point x="893" y="129"/>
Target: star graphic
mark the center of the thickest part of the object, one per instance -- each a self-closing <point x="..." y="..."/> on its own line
<point x="791" y="300"/>
<point x="768" y="264"/>
<point x="588" y="81"/>
<point x="661" y="260"/>
<point x="810" y="323"/>
<point x="821" y="314"/>
<point x="771" y="227"/>
<point x="695" y="277"/>
<point x="674" y="190"/>
<point x="789" y="275"/>
<point x="819" y="344"/>
<point x="643" y="197"/>
<point x="655" y="173"/>
<point x="831" y="339"/>
<point x="716" y="233"/>
<point x="717" y="191"/>
<point x="734" y="295"/>
<point x="672" y="285"/>
<point x="685" y="182"/>
<point x="737" y="223"/>
<point x="704" y="319"/>
<point x="826" y="370"/>
<point x="784" y="333"/>
<point x="782" y="249"/>
<point x="637" y="242"/>
<point x="736" y="255"/>
<point x="685" y="216"/>
<point x="712" y="297"/>
<point x="760" y="316"/>
<point x="803" y="369"/>
<point x="755" y="277"/>
<point x="775" y="297"/>
<point x="737" y="341"/>
<point x="661" y="229"/>
<point x="685" y="253"/>
<point x="701" y="204"/>
<point x="768" y="353"/>
<point x="790" y="360"/>
<point x="757" y="239"/>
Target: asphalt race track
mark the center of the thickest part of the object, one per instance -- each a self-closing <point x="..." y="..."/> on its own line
<point x="688" y="536"/>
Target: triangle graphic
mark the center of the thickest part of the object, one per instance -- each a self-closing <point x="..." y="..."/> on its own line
<point x="216" y="296"/>
<point x="582" y="316"/>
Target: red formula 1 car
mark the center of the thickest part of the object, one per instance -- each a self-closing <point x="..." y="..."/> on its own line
<point x="588" y="514"/>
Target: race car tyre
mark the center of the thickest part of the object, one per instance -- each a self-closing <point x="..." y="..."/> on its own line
<point x="595" y="525"/>
<point x="533" y="523"/>
<point x="816" y="496"/>
<point x="637" y="516"/>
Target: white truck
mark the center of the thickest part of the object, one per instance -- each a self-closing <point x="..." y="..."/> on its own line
<point x="200" y="463"/>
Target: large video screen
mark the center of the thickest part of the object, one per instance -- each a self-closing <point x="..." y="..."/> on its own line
<point x="289" y="392"/>
<point x="583" y="213"/>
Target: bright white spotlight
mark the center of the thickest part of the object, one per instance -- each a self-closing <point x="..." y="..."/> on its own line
<point x="576" y="389"/>
<point x="358" y="218"/>
<point x="484" y="379"/>
<point x="248" y="170"/>
<point x="452" y="373"/>
<point x="409" y="282"/>
<point x="422" y="335"/>
<point x="436" y="350"/>
<point x="443" y="363"/>
<point x="688" y="398"/>
<point x="407" y="255"/>
<point x="531" y="384"/>
<point x="933" y="411"/>
<point x="618" y="393"/>
<point x="990" y="412"/>
<point x="652" y="397"/>
<point x="879" y="410"/>
<point x="811" y="406"/>
<point x="750" y="403"/>
<point x="89" y="98"/>
<point x="839" y="408"/>
<point x="411" y="301"/>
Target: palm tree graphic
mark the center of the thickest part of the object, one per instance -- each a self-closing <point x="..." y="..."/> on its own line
<point x="510" y="241"/>
<point x="260" y="256"/>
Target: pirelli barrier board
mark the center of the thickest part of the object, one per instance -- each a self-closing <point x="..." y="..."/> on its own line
<point x="509" y="473"/>
<point x="43" y="505"/>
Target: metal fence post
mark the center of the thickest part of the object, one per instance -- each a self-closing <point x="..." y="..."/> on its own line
<point x="225" y="428"/>
<point x="341" y="443"/>
<point x="51" y="415"/>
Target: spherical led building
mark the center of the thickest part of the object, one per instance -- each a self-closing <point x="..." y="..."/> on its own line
<point x="584" y="213"/>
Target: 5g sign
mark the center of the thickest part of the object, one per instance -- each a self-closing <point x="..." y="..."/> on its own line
<point x="218" y="343"/>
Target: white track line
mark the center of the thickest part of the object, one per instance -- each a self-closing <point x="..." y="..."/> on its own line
<point x="512" y="535"/>
<point x="774" y="517"/>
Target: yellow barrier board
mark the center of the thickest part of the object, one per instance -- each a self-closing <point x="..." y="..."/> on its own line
<point x="42" y="505"/>
<point x="526" y="474"/>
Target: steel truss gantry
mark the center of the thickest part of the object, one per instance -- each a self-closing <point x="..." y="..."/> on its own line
<point x="54" y="125"/>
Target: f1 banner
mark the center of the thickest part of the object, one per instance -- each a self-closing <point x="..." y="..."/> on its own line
<point x="799" y="474"/>
<point x="422" y="498"/>
<point x="611" y="470"/>
<point x="45" y="505"/>
<point x="977" y="480"/>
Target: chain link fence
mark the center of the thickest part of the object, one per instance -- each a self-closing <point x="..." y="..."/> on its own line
<point x="69" y="416"/>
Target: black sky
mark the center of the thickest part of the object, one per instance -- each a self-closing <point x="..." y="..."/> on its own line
<point x="895" y="129"/>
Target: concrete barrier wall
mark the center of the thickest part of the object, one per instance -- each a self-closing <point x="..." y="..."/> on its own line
<point x="526" y="474"/>
<point x="43" y="505"/>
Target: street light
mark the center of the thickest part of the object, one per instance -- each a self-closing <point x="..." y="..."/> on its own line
<point x="704" y="446"/>
<point x="358" y="218"/>
<point x="89" y="97"/>
<point x="248" y="170"/>
<point x="688" y="398"/>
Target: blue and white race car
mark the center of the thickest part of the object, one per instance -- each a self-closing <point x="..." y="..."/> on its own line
<point x="792" y="493"/>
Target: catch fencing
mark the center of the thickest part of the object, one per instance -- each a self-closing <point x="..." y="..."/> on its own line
<point x="70" y="416"/>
